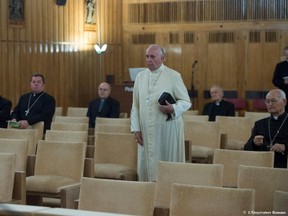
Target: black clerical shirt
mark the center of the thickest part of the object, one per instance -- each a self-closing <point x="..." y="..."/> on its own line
<point x="35" y="108"/>
<point x="261" y="128"/>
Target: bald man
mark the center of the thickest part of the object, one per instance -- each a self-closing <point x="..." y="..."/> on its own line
<point x="104" y="106"/>
<point x="218" y="106"/>
<point x="271" y="133"/>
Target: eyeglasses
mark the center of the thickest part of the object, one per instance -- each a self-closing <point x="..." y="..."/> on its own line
<point x="272" y="101"/>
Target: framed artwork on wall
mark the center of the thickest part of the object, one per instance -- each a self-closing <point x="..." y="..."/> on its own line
<point x="90" y="13"/>
<point x="16" y="16"/>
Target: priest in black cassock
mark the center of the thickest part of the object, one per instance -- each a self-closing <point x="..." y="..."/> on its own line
<point x="271" y="133"/>
<point x="218" y="106"/>
<point x="35" y="106"/>
<point x="104" y="106"/>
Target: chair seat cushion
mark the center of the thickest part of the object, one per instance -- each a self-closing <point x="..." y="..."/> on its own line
<point x="201" y="151"/>
<point x="235" y="145"/>
<point x="114" y="171"/>
<point x="48" y="183"/>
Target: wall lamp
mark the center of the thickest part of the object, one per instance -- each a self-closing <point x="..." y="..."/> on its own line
<point x="99" y="49"/>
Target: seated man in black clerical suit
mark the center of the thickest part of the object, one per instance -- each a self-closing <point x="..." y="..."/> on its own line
<point x="271" y="133"/>
<point x="34" y="106"/>
<point x="218" y="106"/>
<point x="5" y="109"/>
<point x="104" y="106"/>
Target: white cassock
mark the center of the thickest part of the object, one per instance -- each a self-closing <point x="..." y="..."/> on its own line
<point x="163" y="140"/>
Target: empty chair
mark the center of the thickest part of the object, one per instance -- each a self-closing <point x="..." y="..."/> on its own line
<point x="118" y="121"/>
<point x="238" y="130"/>
<point x="68" y="136"/>
<point x="7" y="170"/>
<point x="115" y="156"/>
<point x="77" y="111"/>
<point x="191" y="112"/>
<point x="18" y="147"/>
<point x="259" y="105"/>
<point x="69" y="127"/>
<point x="265" y="181"/>
<point x="205" y="137"/>
<point x="114" y="196"/>
<point x="187" y="200"/>
<point x="112" y="128"/>
<point x="58" y="112"/>
<point x="281" y="201"/>
<point x="196" y="118"/>
<point x="71" y="119"/>
<point x="256" y="115"/>
<point x="59" y="167"/>
<point x="184" y="173"/>
<point x="231" y="159"/>
<point x="31" y="135"/>
<point x="39" y="126"/>
<point x="239" y="105"/>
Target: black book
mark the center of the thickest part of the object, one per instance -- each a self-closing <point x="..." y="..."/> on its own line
<point x="166" y="96"/>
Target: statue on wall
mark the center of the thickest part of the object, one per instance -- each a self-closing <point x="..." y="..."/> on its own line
<point x="16" y="12"/>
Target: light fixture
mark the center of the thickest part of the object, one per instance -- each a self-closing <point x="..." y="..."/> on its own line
<point x="99" y="49"/>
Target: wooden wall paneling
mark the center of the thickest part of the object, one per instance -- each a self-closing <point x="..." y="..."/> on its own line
<point x="66" y="21"/>
<point x="34" y="20"/>
<point x="270" y="59"/>
<point x="40" y="25"/>
<point x="254" y="79"/>
<point x="60" y="36"/>
<point x="28" y="22"/>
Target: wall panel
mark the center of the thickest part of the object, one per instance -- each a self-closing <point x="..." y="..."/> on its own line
<point x="53" y="42"/>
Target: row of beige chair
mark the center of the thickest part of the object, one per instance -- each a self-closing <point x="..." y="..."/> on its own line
<point x="209" y="175"/>
<point x="79" y="112"/>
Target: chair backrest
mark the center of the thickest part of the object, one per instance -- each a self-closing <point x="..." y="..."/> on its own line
<point x="60" y="159"/>
<point x="40" y="127"/>
<point x="265" y="181"/>
<point x="116" y="196"/>
<point x="189" y="200"/>
<point x="71" y="119"/>
<point x="31" y="135"/>
<point x="202" y="133"/>
<point x="69" y="127"/>
<point x="58" y="112"/>
<point x="116" y="148"/>
<point x="184" y="173"/>
<point x="281" y="201"/>
<point x="112" y="128"/>
<point x="256" y="115"/>
<point x="77" y="111"/>
<point x="191" y="112"/>
<point x="259" y="105"/>
<point x="118" y="121"/>
<point x="7" y="170"/>
<point x="66" y="136"/>
<point x="18" y="147"/>
<point x="238" y="130"/>
<point x="231" y="159"/>
<point x="123" y="115"/>
<point x="204" y="118"/>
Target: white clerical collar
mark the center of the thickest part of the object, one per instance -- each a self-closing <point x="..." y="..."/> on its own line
<point x="158" y="70"/>
<point x="275" y="117"/>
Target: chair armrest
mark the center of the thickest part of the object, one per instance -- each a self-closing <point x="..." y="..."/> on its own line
<point x="30" y="167"/>
<point x="90" y="151"/>
<point x="223" y="141"/>
<point x="68" y="196"/>
<point x="188" y="151"/>
<point x="19" y="189"/>
<point x="89" y="167"/>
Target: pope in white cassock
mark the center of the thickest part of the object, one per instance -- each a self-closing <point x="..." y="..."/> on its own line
<point x="158" y="139"/>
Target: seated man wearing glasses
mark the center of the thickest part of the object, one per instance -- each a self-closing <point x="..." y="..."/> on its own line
<point x="271" y="133"/>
